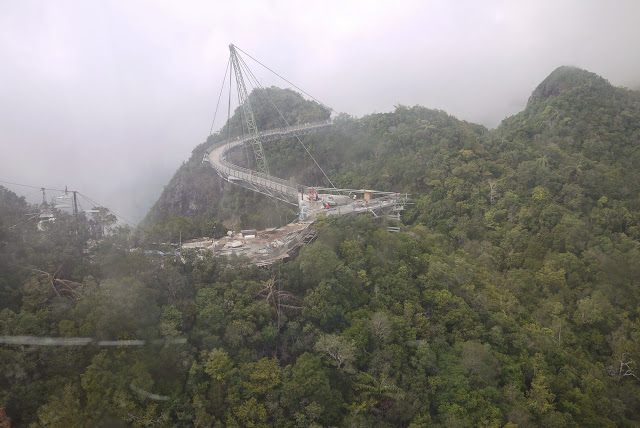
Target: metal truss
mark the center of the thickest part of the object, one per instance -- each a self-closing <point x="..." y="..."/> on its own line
<point x="256" y="142"/>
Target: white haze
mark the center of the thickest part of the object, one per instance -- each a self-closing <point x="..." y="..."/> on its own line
<point x="109" y="98"/>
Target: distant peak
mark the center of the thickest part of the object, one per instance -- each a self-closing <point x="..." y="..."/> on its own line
<point x="565" y="78"/>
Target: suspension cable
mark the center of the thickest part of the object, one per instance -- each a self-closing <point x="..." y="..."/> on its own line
<point x="96" y="204"/>
<point x="242" y="123"/>
<point x="301" y="90"/>
<point x="224" y="79"/>
<point x="251" y="75"/>
<point x="32" y="187"/>
<point x="17" y="224"/>
<point x="80" y="194"/>
<point x="229" y="110"/>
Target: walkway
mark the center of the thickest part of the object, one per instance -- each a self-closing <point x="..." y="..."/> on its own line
<point x="340" y="201"/>
<point x="275" y="187"/>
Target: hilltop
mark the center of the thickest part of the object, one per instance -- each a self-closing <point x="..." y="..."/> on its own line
<point x="197" y="193"/>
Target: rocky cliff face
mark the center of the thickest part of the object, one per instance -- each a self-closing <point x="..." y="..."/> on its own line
<point x="196" y="192"/>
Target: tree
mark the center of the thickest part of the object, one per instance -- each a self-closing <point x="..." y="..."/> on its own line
<point x="540" y="399"/>
<point x="249" y="414"/>
<point x="101" y="222"/>
<point x="380" y="326"/>
<point x="317" y="263"/>
<point x="477" y="358"/>
<point x="309" y="395"/>
<point x="263" y="375"/>
<point x="218" y="365"/>
<point x="64" y="410"/>
<point x="118" y="308"/>
<point x="341" y="352"/>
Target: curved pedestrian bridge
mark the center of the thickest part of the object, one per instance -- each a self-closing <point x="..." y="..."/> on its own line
<point x="309" y="199"/>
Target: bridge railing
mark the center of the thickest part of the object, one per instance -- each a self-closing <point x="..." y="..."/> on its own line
<point x="274" y="183"/>
<point x="272" y="134"/>
<point x="269" y="181"/>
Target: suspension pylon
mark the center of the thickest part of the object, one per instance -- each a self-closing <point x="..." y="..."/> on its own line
<point x="256" y="140"/>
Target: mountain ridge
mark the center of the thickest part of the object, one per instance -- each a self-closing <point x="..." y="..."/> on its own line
<point x="557" y="104"/>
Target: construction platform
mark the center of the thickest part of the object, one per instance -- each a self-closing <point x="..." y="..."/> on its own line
<point x="262" y="248"/>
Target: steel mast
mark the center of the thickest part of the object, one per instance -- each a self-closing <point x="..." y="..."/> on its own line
<point x="256" y="140"/>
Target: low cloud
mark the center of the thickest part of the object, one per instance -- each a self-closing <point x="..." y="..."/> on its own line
<point x="110" y="98"/>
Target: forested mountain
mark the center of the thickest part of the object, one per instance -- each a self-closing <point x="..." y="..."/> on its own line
<point x="509" y="298"/>
<point x="196" y="192"/>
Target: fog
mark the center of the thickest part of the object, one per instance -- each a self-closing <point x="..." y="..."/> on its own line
<point x="109" y="98"/>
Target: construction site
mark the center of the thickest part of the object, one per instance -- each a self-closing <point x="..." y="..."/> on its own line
<point x="313" y="202"/>
<point x="262" y="247"/>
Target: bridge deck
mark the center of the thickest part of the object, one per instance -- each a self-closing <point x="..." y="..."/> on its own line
<point x="263" y="183"/>
<point x="341" y="202"/>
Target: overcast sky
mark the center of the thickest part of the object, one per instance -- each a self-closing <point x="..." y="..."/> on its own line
<point x="110" y="97"/>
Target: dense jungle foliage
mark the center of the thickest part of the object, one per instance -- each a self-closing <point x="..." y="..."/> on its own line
<point x="510" y="296"/>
